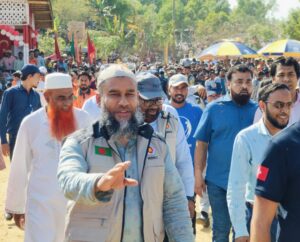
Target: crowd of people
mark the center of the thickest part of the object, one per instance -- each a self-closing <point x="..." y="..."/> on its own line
<point x="119" y="152"/>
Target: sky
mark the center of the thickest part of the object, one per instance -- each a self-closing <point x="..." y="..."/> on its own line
<point x="283" y="7"/>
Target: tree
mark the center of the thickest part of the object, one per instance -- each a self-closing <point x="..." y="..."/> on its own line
<point x="292" y="26"/>
<point x="144" y="26"/>
<point x="46" y="43"/>
<point x="215" y="27"/>
<point x="256" y="8"/>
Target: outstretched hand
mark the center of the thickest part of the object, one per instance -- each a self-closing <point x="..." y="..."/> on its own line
<point x="115" y="178"/>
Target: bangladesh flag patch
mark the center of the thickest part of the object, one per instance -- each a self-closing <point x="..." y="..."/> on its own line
<point x="103" y="151"/>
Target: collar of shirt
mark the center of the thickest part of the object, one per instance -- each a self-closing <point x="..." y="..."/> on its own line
<point x="262" y="129"/>
<point x="225" y="98"/>
<point x="228" y="98"/>
<point x="22" y="88"/>
<point x="130" y="143"/>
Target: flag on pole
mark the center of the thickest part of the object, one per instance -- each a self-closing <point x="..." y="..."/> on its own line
<point x="56" y="47"/>
<point x="79" y="55"/>
<point x="91" y="49"/>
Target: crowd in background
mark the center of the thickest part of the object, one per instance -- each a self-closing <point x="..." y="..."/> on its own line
<point x="206" y="82"/>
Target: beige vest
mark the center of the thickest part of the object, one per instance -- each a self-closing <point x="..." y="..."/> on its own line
<point x="168" y="128"/>
<point x="104" y="221"/>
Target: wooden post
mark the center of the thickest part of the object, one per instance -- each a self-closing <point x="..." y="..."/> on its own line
<point x="166" y="53"/>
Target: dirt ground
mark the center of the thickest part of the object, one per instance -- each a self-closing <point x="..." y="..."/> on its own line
<point x="10" y="233"/>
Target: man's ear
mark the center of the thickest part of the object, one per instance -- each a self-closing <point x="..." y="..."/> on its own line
<point x="262" y="106"/>
<point x="98" y="98"/>
<point x="47" y="95"/>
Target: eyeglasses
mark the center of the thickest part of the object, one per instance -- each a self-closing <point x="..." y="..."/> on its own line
<point x="241" y="83"/>
<point x="151" y="102"/>
<point x="281" y="105"/>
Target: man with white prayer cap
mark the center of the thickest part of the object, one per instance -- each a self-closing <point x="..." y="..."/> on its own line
<point x="33" y="195"/>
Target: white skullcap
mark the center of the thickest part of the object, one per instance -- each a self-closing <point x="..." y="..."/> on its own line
<point x="43" y="70"/>
<point x="58" y="81"/>
<point x="115" y="70"/>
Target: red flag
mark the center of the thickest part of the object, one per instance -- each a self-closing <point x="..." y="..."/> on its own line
<point x="91" y="49"/>
<point x="57" y="52"/>
<point x="79" y="55"/>
<point x="262" y="173"/>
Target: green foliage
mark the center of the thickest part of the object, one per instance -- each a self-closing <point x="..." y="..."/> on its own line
<point x="256" y="8"/>
<point x="292" y="26"/>
<point x="46" y="43"/>
<point x="144" y="26"/>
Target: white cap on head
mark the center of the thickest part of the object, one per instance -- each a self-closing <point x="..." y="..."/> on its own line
<point x="58" y="81"/>
<point x="115" y="70"/>
<point x="178" y="79"/>
<point x="43" y="70"/>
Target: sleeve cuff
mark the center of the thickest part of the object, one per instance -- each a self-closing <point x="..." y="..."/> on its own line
<point x="102" y="196"/>
<point x="267" y="196"/>
<point x="3" y="141"/>
<point x="240" y="232"/>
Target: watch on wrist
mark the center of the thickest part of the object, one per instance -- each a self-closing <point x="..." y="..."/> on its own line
<point x="189" y="198"/>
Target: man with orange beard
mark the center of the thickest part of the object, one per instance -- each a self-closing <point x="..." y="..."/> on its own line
<point x="32" y="181"/>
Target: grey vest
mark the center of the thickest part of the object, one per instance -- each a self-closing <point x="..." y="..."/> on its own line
<point x="168" y="128"/>
<point x="104" y="222"/>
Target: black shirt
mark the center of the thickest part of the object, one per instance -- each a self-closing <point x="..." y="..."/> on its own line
<point x="278" y="180"/>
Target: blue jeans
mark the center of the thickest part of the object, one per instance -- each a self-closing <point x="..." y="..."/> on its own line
<point x="221" y="225"/>
<point x="274" y="225"/>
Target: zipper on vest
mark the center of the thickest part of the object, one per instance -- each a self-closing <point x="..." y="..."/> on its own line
<point x="125" y="191"/>
<point x="168" y="118"/>
<point x="123" y="218"/>
<point x="144" y="163"/>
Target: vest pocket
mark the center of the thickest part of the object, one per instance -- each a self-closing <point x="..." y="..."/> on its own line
<point x="88" y="229"/>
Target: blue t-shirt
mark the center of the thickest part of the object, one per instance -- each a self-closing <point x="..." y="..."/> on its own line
<point x="219" y="124"/>
<point x="278" y="180"/>
<point x="190" y="116"/>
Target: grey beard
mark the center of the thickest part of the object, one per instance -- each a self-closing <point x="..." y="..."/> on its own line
<point x="125" y="129"/>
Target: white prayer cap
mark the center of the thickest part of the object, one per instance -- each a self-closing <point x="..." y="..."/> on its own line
<point x="115" y="70"/>
<point x="43" y="70"/>
<point x="58" y="80"/>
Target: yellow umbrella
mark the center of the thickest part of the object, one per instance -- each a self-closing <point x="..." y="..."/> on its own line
<point x="227" y="49"/>
<point x="285" y="47"/>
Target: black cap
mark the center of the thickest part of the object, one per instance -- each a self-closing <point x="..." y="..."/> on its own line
<point x="149" y="86"/>
<point x="29" y="70"/>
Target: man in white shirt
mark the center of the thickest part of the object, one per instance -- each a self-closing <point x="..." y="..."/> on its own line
<point x="33" y="194"/>
<point x="275" y="101"/>
<point x="19" y="62"/>
<point x="92" y="107"/>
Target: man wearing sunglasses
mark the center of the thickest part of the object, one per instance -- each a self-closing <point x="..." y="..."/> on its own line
<point x="275" y="101"/>
<point x="162" y="119"/>
<point x="286" y="71"/>
<point x="277" y="187"/>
